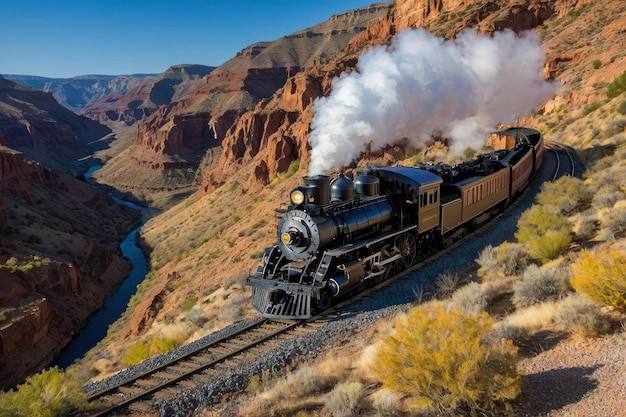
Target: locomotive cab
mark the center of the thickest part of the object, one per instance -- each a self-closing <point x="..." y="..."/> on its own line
<point x="417" y="193"/>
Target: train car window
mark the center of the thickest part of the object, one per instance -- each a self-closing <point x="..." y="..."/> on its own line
<point x="430" y="198"/>
<point x="436" y="195"/>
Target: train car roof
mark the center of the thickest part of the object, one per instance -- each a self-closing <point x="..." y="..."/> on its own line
<point x="410" y="175"/>
<point x="533" y="135"/>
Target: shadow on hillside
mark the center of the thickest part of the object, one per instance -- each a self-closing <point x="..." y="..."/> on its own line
<point x="589" y="155"/>
<point x="551" y="390"/>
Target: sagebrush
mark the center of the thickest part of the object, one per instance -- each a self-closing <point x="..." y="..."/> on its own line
<point x="441" y="360"/>
<point x="602" y="277"/>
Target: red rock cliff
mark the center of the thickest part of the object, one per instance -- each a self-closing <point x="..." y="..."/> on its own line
<point x="59" y="258"/>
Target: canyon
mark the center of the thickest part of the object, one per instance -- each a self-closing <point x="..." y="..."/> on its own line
<point x="196" y="140"/>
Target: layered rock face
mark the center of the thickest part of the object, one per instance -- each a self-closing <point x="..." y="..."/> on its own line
<point x="275" y="132"/>
<point x="146" y="95"/>
<point x="59" y="259"/>
<point x="34" y="123"/>
<point x="172" y="141"/>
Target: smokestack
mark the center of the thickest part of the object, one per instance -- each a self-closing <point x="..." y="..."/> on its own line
<point x="421" y="85"/>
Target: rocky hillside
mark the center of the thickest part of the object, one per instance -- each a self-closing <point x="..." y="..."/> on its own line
<point x="59" y="259"/>
<point x="33" y="122"/>
<point x="203" y="248"/>
<point x="179" y="141"/>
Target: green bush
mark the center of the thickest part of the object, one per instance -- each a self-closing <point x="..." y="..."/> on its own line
<point x="602" y="277"/>
<point x="441" y="360"/>
<point x="144" y="349"/>
<point x="50" y="393"/>
<point x="590" y="108"/>
<point x="538" y="285"/>
<point x="189" y="303"/>
<point x="617" y="87"/>
<point x="546" y="234"/>
<point x="566" y="196"/>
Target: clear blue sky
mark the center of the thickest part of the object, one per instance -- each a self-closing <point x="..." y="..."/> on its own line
<point x="66" y="38"/>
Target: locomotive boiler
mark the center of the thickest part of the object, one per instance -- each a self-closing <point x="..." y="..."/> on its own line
<point x="338" y="237"/>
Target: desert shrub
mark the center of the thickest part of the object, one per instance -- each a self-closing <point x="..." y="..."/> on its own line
<point x="614" y="126"/>
<point x="197" y="316"/>
<point x="386" y="402"/>
<point x="144" y="349"/>
<point x="541" y="284"/>
<point x="590" y="108"/>
<point x="602" y="277"/>
<point x="565" y="196"/>
<point x="503" y="330"/>
<point x="189" y="303"/>
<point x="487" y="259"/>
<point x="578" y="315"/>
<point x="511" y="258"/>
<point x="613" y="223"/>
<point x="50" y="393"/>
<point x="471" y="298"/>
<point x="617" y="87"/>
<point x="607" y="197"/>
<point x="586" y="226"/>
<point x="508" y="258"/>
<point x="441" y="360"/>
<point x="446" y="284"/>
<point x="345" y="399"/>
<point x="545" y="234"/>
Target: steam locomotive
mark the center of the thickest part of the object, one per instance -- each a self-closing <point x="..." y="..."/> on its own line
<point x="338" y="238"/>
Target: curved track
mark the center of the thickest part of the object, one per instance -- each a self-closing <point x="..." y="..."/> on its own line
<point x="564" y="160"/>
<point x="137" y="394"/>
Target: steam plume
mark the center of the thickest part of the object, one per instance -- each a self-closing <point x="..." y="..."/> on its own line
<point x="422" y="85"/>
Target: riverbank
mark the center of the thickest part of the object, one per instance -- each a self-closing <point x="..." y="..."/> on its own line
<point x="115" y="305"/>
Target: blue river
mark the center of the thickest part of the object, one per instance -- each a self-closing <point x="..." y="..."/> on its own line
<point x="116" y="304"/>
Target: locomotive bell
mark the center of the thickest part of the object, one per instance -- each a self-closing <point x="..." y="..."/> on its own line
<point x="318" y="189"/>
<point x="342" y="189"/>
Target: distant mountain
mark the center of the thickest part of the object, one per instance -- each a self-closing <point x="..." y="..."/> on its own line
<point x="181" y="139"/>
<point x="77" y="93"/>
<point x="146" y="95"/>
<point x="115" y="98"/>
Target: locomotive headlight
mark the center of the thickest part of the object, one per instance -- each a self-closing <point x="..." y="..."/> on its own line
<point x="297" y="196"/>
<point x="285" y="238"/>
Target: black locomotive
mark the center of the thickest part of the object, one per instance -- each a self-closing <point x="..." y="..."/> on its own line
<point x="337" y="238"/>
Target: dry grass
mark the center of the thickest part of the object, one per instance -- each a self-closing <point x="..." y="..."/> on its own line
<point x="534" y="318"/>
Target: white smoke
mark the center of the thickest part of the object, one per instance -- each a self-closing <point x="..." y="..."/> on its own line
<point x="421" y="85"/>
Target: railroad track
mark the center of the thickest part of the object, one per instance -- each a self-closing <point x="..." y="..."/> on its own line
<point x="569" y="168"/>
<point x="195" y="367"/>
<point x="139" y="393"/>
